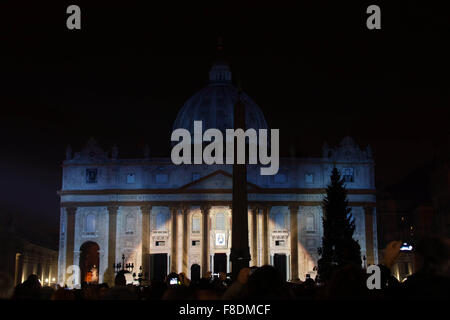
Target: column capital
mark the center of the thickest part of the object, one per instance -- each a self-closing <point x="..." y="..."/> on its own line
<point x="71" y="210"/>
<point x="145" y="209"/>
<point x="205" y="208"/>
<point x="113" y="209"/>
<point x="173" y="208"/>
<point x="185" y="209"/>
<point x="293" y="207"/>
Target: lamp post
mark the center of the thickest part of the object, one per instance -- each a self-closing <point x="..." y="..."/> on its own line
<point x="128" y="268"/>
<point x="122" y="266"/>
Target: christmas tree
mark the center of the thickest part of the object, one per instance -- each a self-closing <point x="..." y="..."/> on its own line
<point x="338" y="246"/>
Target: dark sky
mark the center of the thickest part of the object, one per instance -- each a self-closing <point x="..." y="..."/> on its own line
<point x="314" y="69"/>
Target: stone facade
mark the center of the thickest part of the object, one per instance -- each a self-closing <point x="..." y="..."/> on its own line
<point x="109" y="198"/>
<point x="141" y="208"/>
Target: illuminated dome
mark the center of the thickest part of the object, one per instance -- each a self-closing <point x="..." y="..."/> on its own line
<point x="214" y="104"/>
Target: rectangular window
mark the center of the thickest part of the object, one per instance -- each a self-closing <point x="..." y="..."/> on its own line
<point x="130" y="225"/>
<point x="131" y="178"/>
<point x="91" y="226"/>
<point x="280" y="221"/>
<point x="279" y="243"/>
<point x="309" y="178"/>
<point x="347" y="174"/>
<point x="161" y="178"/>
<point x="310" y="224"/>
<point x="196" y="225"/>
<point x="161" y="219"/>
<point x="195" y="243"/>
<point x="220" y="221"/>
<point x="91" y="175"/>
<point x="160" y="243"/>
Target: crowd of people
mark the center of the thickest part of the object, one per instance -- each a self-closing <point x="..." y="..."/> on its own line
<point x="431" y="281"/>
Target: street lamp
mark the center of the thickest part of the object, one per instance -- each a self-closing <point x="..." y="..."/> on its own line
<point x="122" y="266"/>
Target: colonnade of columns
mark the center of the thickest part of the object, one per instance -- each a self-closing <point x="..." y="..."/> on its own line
<point x="259" y="242"/>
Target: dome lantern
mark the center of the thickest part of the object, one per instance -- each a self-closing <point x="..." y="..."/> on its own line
<point x="220" y="73"/>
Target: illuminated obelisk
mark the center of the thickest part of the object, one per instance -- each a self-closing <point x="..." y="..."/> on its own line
<point x="240" y="251"/>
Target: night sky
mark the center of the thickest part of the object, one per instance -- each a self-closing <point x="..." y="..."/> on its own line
<point x="315" y="70"/>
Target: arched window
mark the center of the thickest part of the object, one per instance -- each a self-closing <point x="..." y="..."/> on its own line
<point x="196" y="224"/>
<point x="348" y="175"/>
<point x="131" y="178"/>
<point x="160" y="221"/>
<point x="220" y="221"/>
<point x="130" y="224"/>
<point x="280" y="221"/>
<point x="90" y="224"/>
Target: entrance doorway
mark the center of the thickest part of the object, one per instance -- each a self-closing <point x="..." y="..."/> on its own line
<point x="89" y="262"/>
<point x="220" y="262"/>
<point x="195" y="273"/>
<point x="158" y="266"/>
<point x="279" y="262"/>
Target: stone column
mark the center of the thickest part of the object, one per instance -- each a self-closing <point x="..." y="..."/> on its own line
<point x="185" y="256"/>
<point x="145" y="248"/>
<point x="174" y="251"/>
<point x="112" y="238"/>
<point x="18" y="269"/>
<point x="70" y="239"/>
<point x="254" y="254"/>
<point x="205" y="239"/>
<point x="265" y="244"/>
<point x="294" y="240"/>
<point x="368" y="218"/>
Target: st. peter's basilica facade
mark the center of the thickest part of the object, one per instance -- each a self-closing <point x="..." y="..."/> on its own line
<point x="165" y="217"/>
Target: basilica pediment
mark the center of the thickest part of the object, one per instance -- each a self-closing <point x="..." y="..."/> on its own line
<point x="217" y="180"/>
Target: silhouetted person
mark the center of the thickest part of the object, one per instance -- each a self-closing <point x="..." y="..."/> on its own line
<point x="156" y="290"/>
<point x="63" y="294"/>
<point x="266" y="283"/>
<point x="184" y="279"/>
<point x="348" y="282"/>
<point x="120" y="279"/>
<point x="46" y="293"/>
<point x="432" y="281"/>
<point x="29" y="289"/>
<point x="120" y="291"/>
<point x="178" y="293"/>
